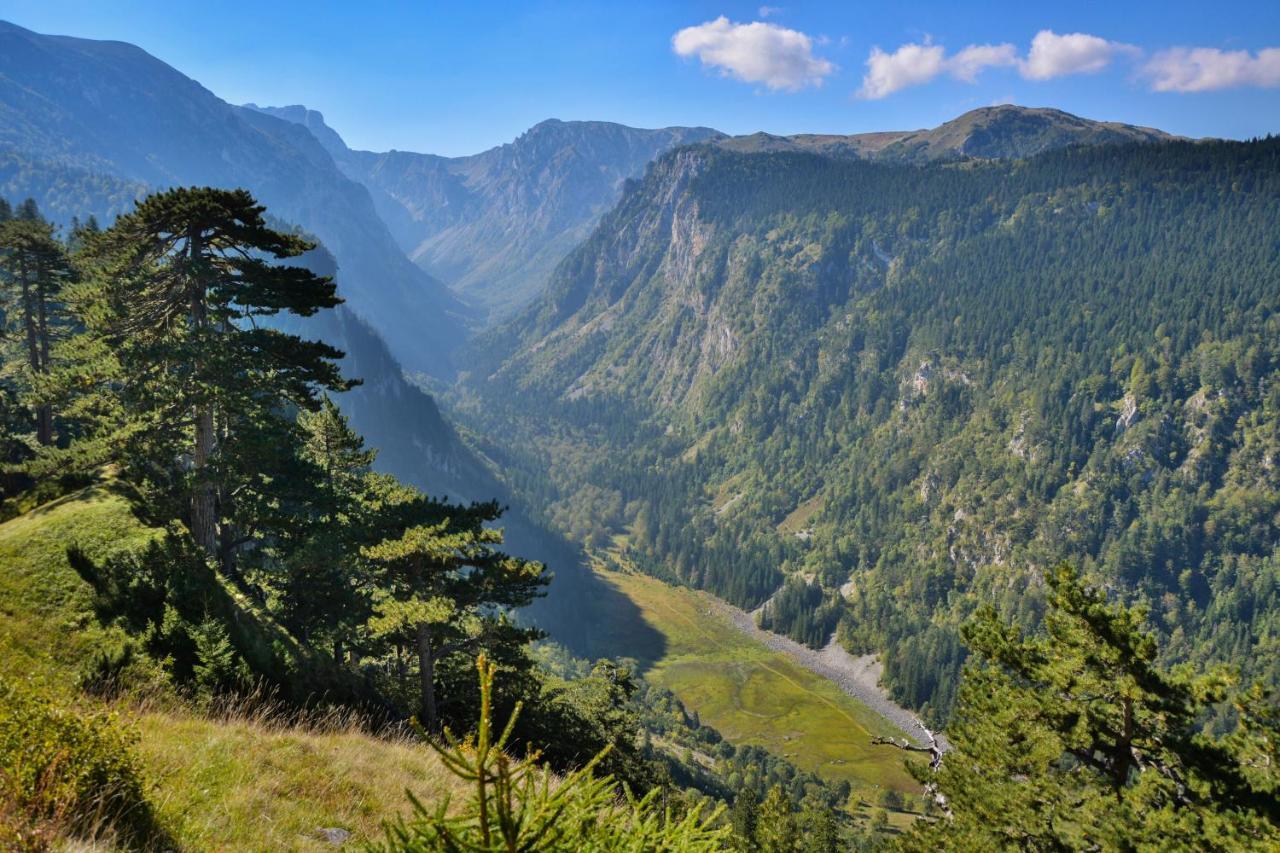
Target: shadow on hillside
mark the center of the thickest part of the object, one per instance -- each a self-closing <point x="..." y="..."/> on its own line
<point x="582" y="611"/>
<point x="142" y="589"/>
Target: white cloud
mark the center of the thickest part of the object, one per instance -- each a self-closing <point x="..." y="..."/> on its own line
<point x="909" y="65"/>
<point x="1201" y="69"/>
<point x="767" y="11"/>
<point x="1054" y="55"/>
<point x="968" y="63"/>
<point x="916" y="64"/>
<point x="755" y="53"/>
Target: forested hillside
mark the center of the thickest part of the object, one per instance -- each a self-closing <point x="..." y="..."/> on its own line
<point x="913" y="389"/>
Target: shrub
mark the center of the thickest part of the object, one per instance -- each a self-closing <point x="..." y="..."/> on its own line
<point x="65" y="772"/>
<point x="517" y="805"/>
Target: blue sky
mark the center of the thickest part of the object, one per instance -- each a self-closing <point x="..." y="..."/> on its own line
<point x="458" y="77"/>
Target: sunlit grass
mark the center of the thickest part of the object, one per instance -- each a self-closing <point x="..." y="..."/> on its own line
<point x="247" y="785"/>
<point x="750" y="693"/>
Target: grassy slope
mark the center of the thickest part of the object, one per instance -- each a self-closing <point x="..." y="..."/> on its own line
<point x="751" y="693"/>
<point x="216" y="785"/>
<point x="47" y="627"/>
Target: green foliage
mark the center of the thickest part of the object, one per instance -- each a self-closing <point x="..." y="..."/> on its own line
<point x="174" y="293"/>
<point x="516" y="805"/>
<point x="34" y="269"/>
<point x="593" y="716"/>
<point x="776" y="824"/>
<point x="1077" y="739"/>
<point x="803" y="612"/>
<point x="443" y="589"/>
<point x="960" y="369"/>
<point x="66" y="772"/>
<point x="218" y="666"/>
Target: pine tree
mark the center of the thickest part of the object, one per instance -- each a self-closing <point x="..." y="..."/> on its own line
<point x="176" y="289"/>
<point x="818" y="830"/>
<point x="444" y="589"/>
<point x="324" y="594"/>
<point x="1077" y="739"/>
<point x="35" y="268"/>
<point x="28" y="211"/>
<point x="745" y="817"/>
<point x="776" y="829"/>
<point x="337" y="451"/>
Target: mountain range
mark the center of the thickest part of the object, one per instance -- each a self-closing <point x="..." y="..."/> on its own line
<point x="871" y="396"/>
<point x="494" y="224"/>
<point x="108" y="112"/>
<point x="989" y="133"/>
<point x="765" y="362"/>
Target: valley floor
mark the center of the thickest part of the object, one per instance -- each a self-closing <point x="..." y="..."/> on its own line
<point x="751" y="692"/>
<point x="859" y="676"/>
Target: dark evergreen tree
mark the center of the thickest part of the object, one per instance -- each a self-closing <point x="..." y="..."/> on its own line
<point x="745" y="817"/>
<point x="442" y="589"/>
<point x="1078" y="739"/>
<point x="34" y="268"/>
<point x="176" y="289"/>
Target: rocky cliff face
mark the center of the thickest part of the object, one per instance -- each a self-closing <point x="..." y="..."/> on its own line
<point x="669" y="292"/>
<point x="496" y="224"/>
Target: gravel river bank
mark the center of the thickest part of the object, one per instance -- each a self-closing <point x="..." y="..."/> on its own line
<point x="857" y="675"/>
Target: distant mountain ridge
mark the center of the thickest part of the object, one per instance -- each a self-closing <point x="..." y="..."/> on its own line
<point x="111" y="109"/>
<point x="989" y="133"/>
<point x="494" y="224"/>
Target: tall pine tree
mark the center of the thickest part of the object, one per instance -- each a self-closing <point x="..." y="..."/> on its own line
<point x="178" y="286"/>
<point x="444" y="589"/>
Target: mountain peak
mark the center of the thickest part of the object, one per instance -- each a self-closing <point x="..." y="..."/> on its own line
<point x="1009" y="130"/>
<point x="312" y="120"/>
<point x="996" y="132"/>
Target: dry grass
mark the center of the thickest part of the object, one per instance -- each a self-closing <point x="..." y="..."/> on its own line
<point x="253" y="784"/>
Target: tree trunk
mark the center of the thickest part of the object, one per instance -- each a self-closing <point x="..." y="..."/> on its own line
<point x="204" y="520"/>
<point x="44" y="412"/>
<point x="226" y="536"/>
<point x="32" y="320"/>
<point x="427" y="673"/>
<point x="29" y="315"/>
